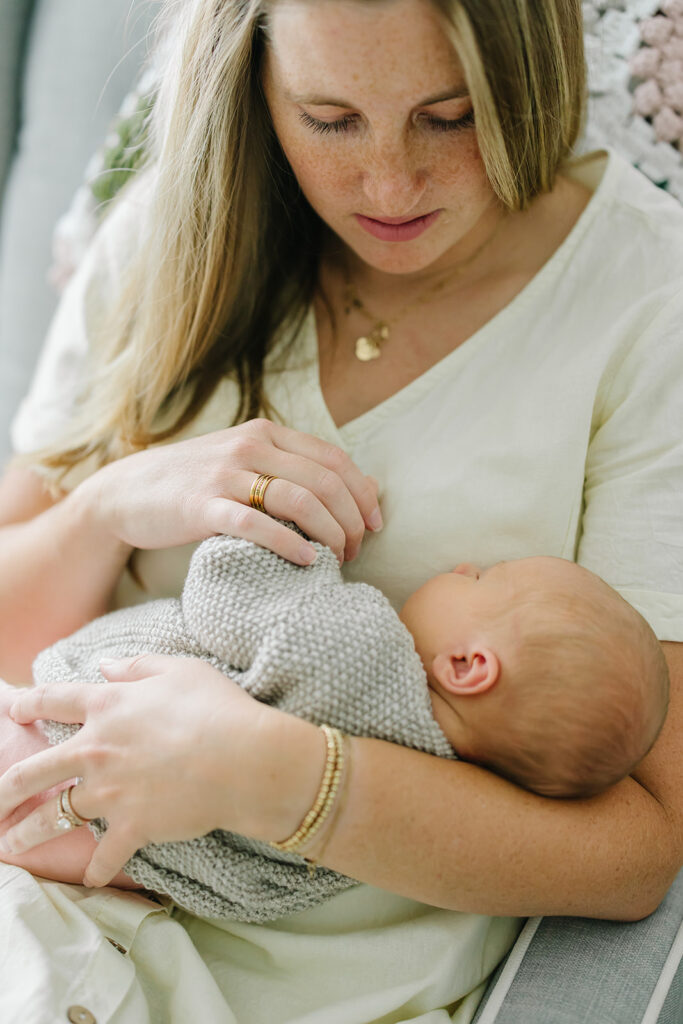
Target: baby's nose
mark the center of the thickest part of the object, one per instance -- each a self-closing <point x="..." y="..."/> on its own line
<point x="467" y="569"/>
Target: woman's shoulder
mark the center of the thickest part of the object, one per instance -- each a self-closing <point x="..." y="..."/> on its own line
<point x="119" y="234"/>
<point x="62" y="366"/>
<point x="636" y="227"/>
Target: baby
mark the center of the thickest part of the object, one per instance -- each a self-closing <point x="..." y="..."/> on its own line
<point x="541" y="672"/>
<point x="534" y="668"/>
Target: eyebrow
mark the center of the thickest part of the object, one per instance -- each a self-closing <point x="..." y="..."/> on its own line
<point x="502" y="561"/>
<point x="318" y="100"/>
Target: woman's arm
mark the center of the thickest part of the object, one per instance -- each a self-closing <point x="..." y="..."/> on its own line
<point x="59" y="566"/>
<point x="60" y="560"/>
<point x="447" y="833"/>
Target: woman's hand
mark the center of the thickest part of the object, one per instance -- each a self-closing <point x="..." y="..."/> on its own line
<point x="179" y="752"/>
<point x="179" y="493"/>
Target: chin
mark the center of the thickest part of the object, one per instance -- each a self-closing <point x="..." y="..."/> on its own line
<point x="397" y="257"/>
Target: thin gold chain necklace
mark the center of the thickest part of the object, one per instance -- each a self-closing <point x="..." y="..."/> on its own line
<point x="369" y="346"/>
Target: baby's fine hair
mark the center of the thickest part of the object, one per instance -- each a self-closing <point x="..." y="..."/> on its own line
<point x="590" y="691"/>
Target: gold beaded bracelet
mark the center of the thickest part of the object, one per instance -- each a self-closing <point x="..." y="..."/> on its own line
<point x="327" y="794"/>
<point x="316" y="856"/>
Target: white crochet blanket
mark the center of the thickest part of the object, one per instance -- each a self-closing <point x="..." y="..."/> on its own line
<point x="296" y="637"/>
<point x="634" y="50"/>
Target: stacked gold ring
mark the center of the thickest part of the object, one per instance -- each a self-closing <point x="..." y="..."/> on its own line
<point x="258" y="491"/>
<point x="67" y="818"/>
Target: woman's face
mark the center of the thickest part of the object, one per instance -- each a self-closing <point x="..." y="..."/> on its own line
<point x="371" y="108"/>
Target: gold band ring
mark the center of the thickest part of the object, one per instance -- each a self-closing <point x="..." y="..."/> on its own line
<point x="67" y="818"/>
<point x="258" y="491"/>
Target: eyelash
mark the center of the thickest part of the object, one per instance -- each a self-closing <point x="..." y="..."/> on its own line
<point x="344" y="123"/>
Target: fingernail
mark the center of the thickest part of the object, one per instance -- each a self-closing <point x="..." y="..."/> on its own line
<point x="307" y="554"/>
<point x="109" y="664"/>
<point x="6" y="847"/>
<point x="375" y="521"/>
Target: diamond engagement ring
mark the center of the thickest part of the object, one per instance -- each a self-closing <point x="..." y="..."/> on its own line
<point x="66" y="816"/>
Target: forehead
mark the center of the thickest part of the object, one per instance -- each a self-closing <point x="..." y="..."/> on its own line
<point x="500" y="578"/>
<point x="389" y="47"/>
<point x="540" y="572"/>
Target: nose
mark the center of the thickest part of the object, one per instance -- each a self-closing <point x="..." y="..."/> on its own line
<point x="467" y="569"/>
<point x="392" y="182"/>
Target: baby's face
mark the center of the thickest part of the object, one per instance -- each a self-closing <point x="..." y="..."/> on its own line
<point x="468" y="625"/>
<point x="465" y="604"/>
<point x="457" y="627"/>
<point x="455" y="604"/>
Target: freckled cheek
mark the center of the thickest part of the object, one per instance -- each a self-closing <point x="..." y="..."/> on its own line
<point x="464" y="187"/>
<point x="461" y="167"/>
<point x="326" y="180"/>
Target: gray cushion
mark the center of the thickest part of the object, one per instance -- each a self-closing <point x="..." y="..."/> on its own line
<point x="14" y="22"/>
<point x="81" y="58"/>
<point x="577" y="971"/>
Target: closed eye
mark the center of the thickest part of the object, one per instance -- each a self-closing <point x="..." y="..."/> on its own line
<point x="441" y="124"/>
<point x="438" y="124"/>
<point x="342" y="125"/>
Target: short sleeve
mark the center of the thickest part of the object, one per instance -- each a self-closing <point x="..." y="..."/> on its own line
<point x="632" y="530"/>
<point x="61" y="373"/>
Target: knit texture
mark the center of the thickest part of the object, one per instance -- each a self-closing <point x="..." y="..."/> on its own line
<point x="296" y="637"/>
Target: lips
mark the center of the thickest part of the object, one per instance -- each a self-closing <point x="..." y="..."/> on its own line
<point x="397" y="229"/>
<point x="395" y="220"/>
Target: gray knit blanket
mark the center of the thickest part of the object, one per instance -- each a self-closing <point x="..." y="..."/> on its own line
<point x="299" y="638"/>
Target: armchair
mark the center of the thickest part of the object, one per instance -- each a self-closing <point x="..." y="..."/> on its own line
<point x="64" y="69"/>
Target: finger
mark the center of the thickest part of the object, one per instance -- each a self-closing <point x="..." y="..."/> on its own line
<point x="238" y="520"/>
<point x="291" y="501"/>
<point x="290" y="495"/>
<point x="333" y="458"/>
<point x="313" y="497"/>
<point x="66" y="702"/>
<point x="318" y="501"/>
<point x="142" y="666"/>
<point x="374" y="484"/>
<point x="39" y="772"/>
<point x="36" y="828"/>
<point x="113" y="851"/>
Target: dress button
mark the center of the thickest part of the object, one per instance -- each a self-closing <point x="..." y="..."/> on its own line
<point x="79" y="1015"/>
<point x="116" y="945"/>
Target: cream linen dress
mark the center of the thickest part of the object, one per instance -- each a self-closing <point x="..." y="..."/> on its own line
<point x="556" y="429"/>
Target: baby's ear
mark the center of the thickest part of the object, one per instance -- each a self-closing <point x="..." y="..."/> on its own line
<point x="466" y="672"/>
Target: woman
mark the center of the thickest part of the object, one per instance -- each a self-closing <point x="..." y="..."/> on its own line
<point x="362" y="222"/>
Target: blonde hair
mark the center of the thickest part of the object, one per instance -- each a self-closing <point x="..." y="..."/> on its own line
<point x="586" y="694"/>
<point x="231" y="246"/>
<point x="525" y="66"/>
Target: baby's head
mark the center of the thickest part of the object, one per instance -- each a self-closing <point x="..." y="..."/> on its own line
<point x="541" y="672"/>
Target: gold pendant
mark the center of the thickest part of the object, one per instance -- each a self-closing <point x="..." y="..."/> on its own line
<point x="368" y="347"/>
